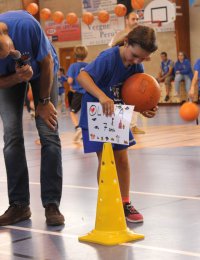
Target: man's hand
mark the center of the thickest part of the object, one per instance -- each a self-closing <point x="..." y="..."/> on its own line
<point x="48" y="113"/>
<point x="150" y="113"/>
<point x="24" y="73"/>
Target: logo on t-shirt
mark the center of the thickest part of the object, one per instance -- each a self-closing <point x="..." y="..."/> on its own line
<point x="116" y="93"/>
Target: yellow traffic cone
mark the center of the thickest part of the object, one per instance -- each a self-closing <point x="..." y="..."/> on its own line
<point x="110" y="226"/>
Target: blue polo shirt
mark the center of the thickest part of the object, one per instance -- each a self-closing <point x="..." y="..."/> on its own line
<point x="109" y="74"/>
<point x="165" y="65"/>
<point x="28" y="38"/>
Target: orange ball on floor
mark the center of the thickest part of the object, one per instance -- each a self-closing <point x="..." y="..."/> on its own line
<point x="189" y="111"/>
<point x="142" y="91"/>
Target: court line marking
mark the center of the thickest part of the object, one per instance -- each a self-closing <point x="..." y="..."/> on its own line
<point x="153" y="248"/>
<point x="133" y="192"/>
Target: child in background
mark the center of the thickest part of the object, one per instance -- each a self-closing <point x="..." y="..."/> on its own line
<point x="61" y="88"/>
<point x="183" y="71"/>
<point x="80" y="53"/>
<point x="100" y="79"/>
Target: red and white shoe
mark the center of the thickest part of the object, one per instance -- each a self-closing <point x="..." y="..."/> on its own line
<point x="131" y="214"/>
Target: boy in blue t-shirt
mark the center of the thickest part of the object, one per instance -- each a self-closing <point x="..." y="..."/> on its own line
<point x="76" y="91"/>
<point x="61" y="88"/>
<point x="166" y="73"/>
<point x="102" y="79"/>
<point x="26" y="55"/>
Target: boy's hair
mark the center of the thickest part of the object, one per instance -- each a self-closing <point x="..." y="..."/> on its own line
<point x="62" y="70"/>
<point x="80" y="52"/>
<point x="141" y="35"/>
<point x="163" y="53"/>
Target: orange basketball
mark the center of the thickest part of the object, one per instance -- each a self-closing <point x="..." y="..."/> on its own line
<point x="189" y="111"/>
<point x="71" y="18"/>
<point x="142" y="91"/>
<point x="32" y="8"/>
<point x="87" y="18"/>
<point x="120" y="10"/>
<point x="45" y="14"/>
<point x="137" y="4"/>
<point x="103" y="16"/>
<point x="58" y="17"/>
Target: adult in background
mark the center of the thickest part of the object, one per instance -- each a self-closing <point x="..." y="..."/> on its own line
<point x="20" y="31"/>
<point x="166" y="73"/>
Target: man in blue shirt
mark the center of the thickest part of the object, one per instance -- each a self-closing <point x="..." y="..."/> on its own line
<point x="22" y="41"/>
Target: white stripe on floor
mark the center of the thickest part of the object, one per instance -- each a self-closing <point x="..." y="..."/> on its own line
<point x="133" y="192"/>
<point x="152" y="248"/>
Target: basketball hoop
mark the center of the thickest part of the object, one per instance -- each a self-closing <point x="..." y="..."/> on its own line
<point x="151" y="23"/>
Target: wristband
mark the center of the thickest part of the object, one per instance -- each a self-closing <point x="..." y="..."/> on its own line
<point x="44" y="101"/>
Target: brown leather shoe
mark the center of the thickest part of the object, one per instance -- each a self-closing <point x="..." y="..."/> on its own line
<point x="53" y="215"/>
<point x="15" y="213"/>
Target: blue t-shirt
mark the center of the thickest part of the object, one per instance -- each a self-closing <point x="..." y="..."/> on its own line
<point x="184" y="68"/>
<point x="197" y="68"/>
<point x="165" y="65"/>
<point x="61" y="88"/>
<point x="73" y="71"/>
<point x="28" y="38"/>
<point x="109" y="74"/>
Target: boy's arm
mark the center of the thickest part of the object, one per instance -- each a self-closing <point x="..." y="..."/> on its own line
<point x="89" y="85"/>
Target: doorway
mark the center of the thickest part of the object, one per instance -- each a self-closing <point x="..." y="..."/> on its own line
<point x="66" y="58"/>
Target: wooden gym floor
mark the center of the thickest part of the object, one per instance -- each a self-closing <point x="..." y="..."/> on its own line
<point x="165" y="187"/>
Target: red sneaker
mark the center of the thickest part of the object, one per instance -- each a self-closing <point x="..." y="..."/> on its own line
<point x="131" y="214"/>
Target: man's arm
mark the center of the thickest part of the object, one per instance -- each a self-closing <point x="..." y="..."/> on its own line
<point x="46" y="111"/>
<point x="46" y="76"/>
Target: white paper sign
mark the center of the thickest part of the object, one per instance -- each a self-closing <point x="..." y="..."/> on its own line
<point x="101" y="33"/>
<point x="112" y="129"/>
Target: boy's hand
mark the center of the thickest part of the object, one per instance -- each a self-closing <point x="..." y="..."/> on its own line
<point x="150" y="113"/>
<point x="107" y="105"/>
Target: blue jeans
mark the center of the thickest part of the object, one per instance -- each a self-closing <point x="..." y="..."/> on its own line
<point x="178" y="79"/>
<point x="11" y="111"/>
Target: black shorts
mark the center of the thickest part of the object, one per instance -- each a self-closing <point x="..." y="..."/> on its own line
<point x="76" y="102"/>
